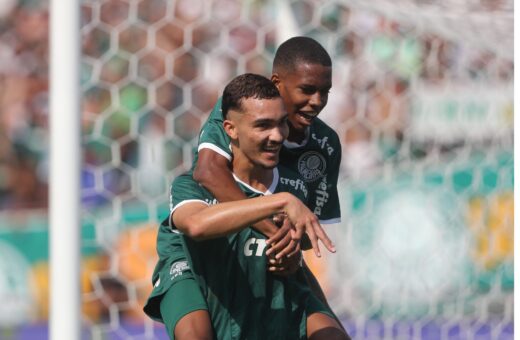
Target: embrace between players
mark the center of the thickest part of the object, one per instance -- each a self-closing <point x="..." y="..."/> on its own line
<point x="262" y="183"/>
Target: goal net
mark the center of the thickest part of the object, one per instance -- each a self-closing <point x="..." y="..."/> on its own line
<point x="422" y="100"/>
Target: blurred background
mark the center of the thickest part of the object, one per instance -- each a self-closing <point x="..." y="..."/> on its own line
<point x="422" y="100"/>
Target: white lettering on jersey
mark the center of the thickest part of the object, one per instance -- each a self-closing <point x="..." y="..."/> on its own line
<point x="260" y="247"/>
<point x="322" y="142"/>
<point x="322" y="196"/>
<point x="211" y="201"/>
<point x="297" y="184"/>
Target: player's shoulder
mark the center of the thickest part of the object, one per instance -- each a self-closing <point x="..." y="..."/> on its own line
<point x="184" y="181"/>
<point x="322" y="129"/>
<point x="185" y="184"/>
<point x="216" y="112"/>
<point x="324" y="139"/>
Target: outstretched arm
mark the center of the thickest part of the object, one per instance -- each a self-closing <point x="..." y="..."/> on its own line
<point x="201" y="222"/>
<point x="213" y="172"/>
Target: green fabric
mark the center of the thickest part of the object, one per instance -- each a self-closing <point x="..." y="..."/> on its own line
<point x="185" y="297"/>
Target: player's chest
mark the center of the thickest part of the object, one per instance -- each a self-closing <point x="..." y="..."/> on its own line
<point x="310" y="164"/>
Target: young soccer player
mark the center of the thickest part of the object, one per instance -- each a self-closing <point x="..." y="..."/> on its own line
<point x="227" y="257"/>
<point x="302" y="72"/>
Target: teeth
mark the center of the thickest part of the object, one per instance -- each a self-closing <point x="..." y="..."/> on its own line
<point x="308" y="115"/>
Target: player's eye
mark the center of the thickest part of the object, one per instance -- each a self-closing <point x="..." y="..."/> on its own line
<point x="325" y="92"/>
<point x="308" y="90"/>
<point x="262" y="125"/>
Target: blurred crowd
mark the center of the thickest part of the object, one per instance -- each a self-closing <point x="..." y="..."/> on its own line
<point x="152" y="69"/>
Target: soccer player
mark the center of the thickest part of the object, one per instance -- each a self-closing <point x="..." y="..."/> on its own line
<point x="302" y="72"/>
<point x="227" y="257"/>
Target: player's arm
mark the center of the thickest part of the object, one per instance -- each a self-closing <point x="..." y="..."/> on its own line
<point x="212" y="172"/>
<point x="200" y="222"/>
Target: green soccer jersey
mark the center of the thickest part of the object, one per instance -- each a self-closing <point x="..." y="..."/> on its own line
<point x="244" y="300"/>
<point x="317" y="159"/>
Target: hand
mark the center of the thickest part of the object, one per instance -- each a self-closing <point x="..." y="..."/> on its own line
<point x="282" y="243"/>
<point x="304" y="221"/>
<point x="286" y="265"/>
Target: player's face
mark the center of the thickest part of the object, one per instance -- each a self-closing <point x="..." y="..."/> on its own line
<point x="305" y="92"/>
<point x="260" y="131"/>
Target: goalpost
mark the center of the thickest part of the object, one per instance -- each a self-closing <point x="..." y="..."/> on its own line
<point x="65" y="160"/>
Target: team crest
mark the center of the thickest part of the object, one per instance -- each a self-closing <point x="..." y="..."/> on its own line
<point x="311" y="166"/>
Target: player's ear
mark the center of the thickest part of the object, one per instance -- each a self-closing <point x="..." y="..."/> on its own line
<point x="275" y="78"/>
<point x="230" y="128"/>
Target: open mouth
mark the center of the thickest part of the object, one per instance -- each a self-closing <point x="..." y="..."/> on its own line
<point x="308" y="116"/>
<point x="272" y="149"/>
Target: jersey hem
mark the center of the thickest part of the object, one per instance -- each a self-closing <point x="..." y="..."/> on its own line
<point x="331" y="221"/>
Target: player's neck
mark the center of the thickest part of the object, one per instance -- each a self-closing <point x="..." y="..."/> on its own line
<point x="254" y="175"/>
<point x="297" y="136"/>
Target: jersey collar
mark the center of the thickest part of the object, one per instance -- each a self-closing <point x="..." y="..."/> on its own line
<point x="271" y="188"/>
<point x="293" y="145"/>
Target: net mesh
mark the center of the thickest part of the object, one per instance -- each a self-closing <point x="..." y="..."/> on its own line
<point x="422" y="100"/>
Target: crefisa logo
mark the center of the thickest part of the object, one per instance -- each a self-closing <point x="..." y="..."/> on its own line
<point x="311" y="166"/>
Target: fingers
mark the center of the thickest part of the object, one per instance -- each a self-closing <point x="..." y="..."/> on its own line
<point x="296" y="250"/>
<point x="286" y="248"/>
<point x="278" y="219"/>
<point x="289" y="250"/>
<point x="313" y="238"/>
<point x="280" y="271"/>
<point x="280" y="240"/>
<point x="297" y="232"/>
<point x="324" y="238"/>
<point x="279" y="235"/>
<point x="284" y="266"/>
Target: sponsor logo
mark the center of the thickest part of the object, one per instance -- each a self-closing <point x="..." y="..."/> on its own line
<point x="254" y="247"/>
<point x="178" y="268"/>
<point x="297" y="184"/>
<point x="311" y="166"/>
<point x="322" y="142"/>
<point x="322" y="196"/>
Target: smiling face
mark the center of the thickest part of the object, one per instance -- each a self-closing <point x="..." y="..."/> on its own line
<point x="258" y="130"/>
<point x="305" y="92"/>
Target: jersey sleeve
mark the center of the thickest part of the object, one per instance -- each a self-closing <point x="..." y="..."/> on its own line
<point x="185" y="189"/>
<point x="326" y="204"/>
<point x="212" y="135"/>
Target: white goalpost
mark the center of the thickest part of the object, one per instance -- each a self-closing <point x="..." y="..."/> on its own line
<point x="65" y="151"/>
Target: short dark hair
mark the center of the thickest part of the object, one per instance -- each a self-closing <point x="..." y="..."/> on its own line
<point x="299" y="49"/>
<point x="245" y="86"/>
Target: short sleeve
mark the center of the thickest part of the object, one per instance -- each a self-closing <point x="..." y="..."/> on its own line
<point x="185" y="189"/>
<point x="212" y="135"/>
